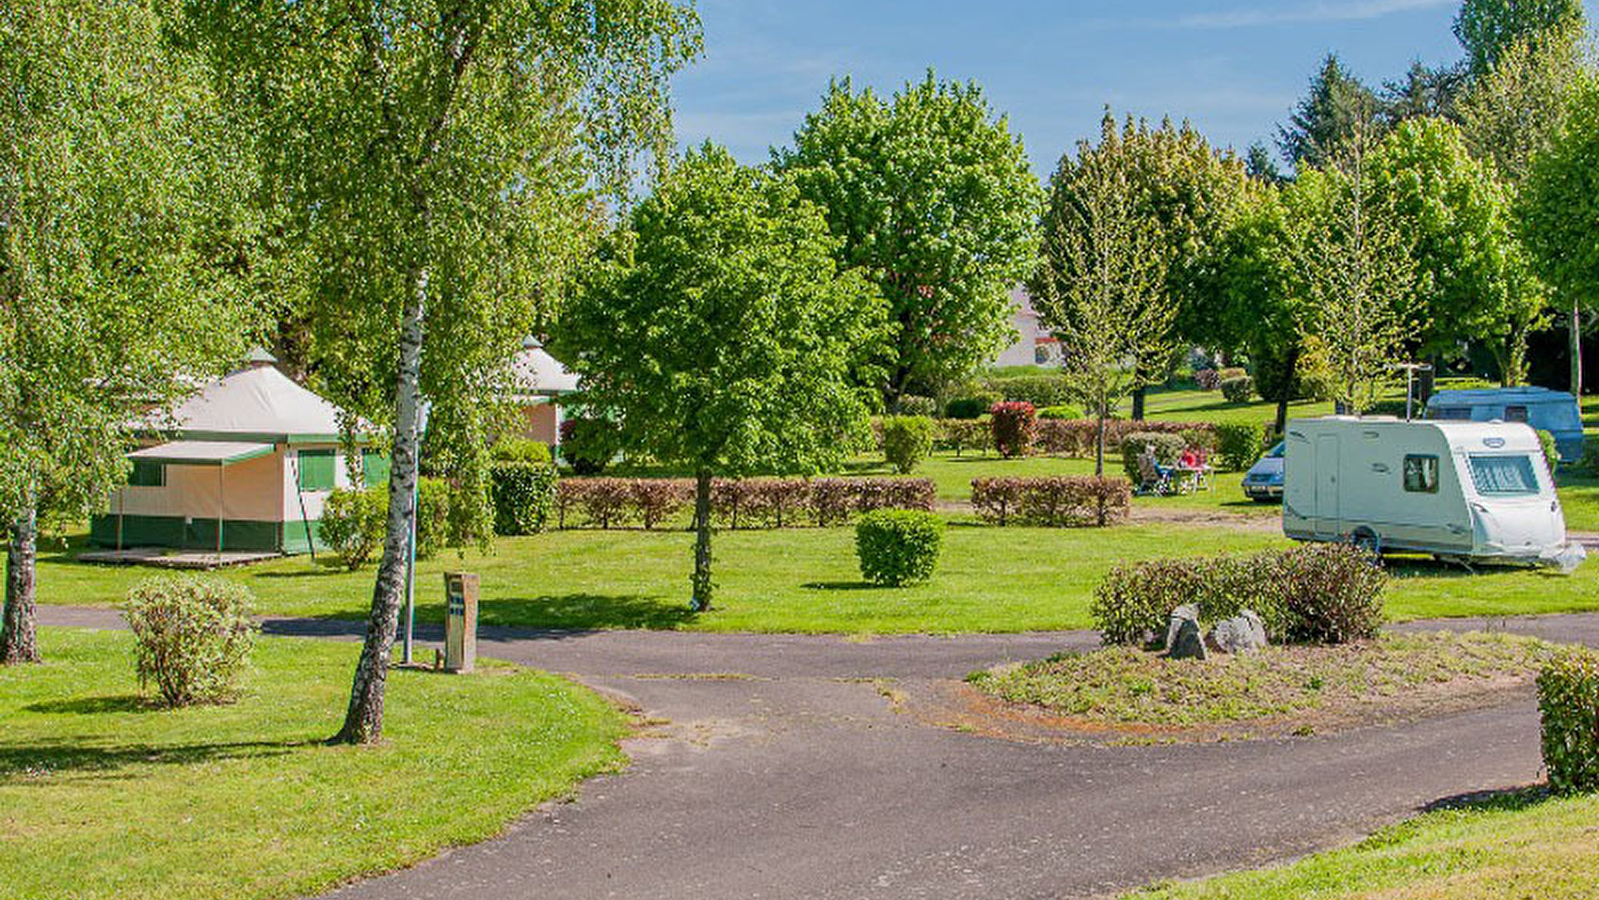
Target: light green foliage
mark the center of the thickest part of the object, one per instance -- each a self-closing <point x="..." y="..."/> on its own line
<point x="1473" y="281"/>
<point x="1239" y="444"/>
<point x="352" y="523"/>
<point x="118" y="209"/>
<point x="897" y="547"/>
<point x="1100" y="285"/>
<point x="1487" y="29"/>
<point x="1559" y="207"/>
<point x="907" y="440"/>
<point x="1511" y="113"/>
<point x="1239" y="389"/>
<point x="192" y="636"/>
<point x="718" y="332"/>
<point x="1568" y="698"/>
<point x="931" y="195"/>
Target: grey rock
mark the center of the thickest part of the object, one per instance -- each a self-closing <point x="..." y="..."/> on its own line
<point x="1244" y="633"/>
<point x="1184" y="639"/>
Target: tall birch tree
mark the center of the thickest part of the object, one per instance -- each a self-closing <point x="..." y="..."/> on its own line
<point x="438" y="159"/>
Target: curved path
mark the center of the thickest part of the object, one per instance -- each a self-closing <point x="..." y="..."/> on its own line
<point x="778" y="767"/>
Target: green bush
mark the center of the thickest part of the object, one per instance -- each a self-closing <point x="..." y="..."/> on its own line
<point x="915" y="405"/>
<point x="1316" y="593"/>
<point x="587" y="445"/>
<point x="1551" y="453"/>
<point x="1039" y="390"/>
<point x="192" y="636"/>
<point x="1568" y="701"/>
<point x="907" y="440"/>
<point x="1238" y="390"/>
<point x="1060" y="411"/>
<point x="961" y="435"/>
<point x="522" y="450"/>
<point x="1589" y="464"/>
<point x="898" y="546"/>
<point x="1167" y="447"/>
<point x="523" y="494"/>
<point x="353" y="523"/>
<point x="971" y="406"/>
<point x="433" y="517"/>
<point x="1239" y="444"/>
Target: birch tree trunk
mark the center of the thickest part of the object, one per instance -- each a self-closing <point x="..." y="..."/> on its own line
<point x="363" y="721"/>
<point x="18" y="639"/>
<point x="1576" y="349"/>
<point x="702" y="541"/>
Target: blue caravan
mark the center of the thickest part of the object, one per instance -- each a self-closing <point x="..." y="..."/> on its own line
<point x="1553" y="411"/>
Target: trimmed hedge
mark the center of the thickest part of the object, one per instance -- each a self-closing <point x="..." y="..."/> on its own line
<point x="961" y="435"/>
<point x="1062" y="411"/>
<point x="1568" y="704"/>
<point x="1589" y="464"/>
<point x="1058" y="501"/>
<point x="1039" y="390"/>
<point x="898" y="546"/>
<point x="907" y="440"/>
<point x="1075" y="437"/>
<point x="1315" y="593"/>
<point x="524" y="495"/>
<point x="1239" y="444"/>
<point x="742" y="503"/>
<point x="1238" y="390"/>
<point x="1013" y="424"/>
<point x="1168" y="447"/>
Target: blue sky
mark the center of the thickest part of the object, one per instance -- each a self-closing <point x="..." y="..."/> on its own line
<point x="1232" y="67"/>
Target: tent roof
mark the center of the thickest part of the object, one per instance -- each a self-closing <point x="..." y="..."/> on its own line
<point x="201" y="453"/>
<point x="537" y="372"/>
<point x="258" y="404"/>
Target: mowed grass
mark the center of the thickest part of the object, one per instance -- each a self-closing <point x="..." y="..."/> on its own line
<point x="989" y="579"/>
<point x="102" y="795"/>
<point x="1510" y="847"/>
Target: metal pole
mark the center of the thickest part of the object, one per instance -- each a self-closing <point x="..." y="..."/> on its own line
<point x="220" y="512"/>
<point x="410" y="548"/>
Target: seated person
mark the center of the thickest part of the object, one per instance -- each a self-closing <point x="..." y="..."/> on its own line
<point x="1191" y="459"/>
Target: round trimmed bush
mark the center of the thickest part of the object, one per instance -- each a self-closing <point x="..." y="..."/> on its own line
<point x="907" y="440"/>
<point x="898" y="546"/>
<point x="1237" y="390"/>
<point x="353" y="522"/>
<point x="191" y="636"/>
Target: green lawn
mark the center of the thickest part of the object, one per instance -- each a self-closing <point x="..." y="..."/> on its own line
<point x="104" y="796"/>
<point x="1521" y="845"/>
<point x="806" y="580"/>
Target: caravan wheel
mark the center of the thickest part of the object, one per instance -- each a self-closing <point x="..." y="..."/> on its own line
<point x="1368" y="541"/>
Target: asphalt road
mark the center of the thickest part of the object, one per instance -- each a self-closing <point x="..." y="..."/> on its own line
<point x="778" y="767"/>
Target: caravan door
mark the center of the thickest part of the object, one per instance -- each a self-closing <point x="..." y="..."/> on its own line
<point x="1328" y="520"/>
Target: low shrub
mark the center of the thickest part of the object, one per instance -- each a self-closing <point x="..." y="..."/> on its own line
<point x="898" y="546"/>
<point x="1061" y="411"/>
<point x="1318" y="593"/>
<point x="192" y="636"/>
<point x="1076" y="437"/>
<point x="1238" y="390"/>
<point x="655" y="499"/>
<point x="907" y="440"/>
<point x="1551" y="453"/>
<point x="1039" y="390"/>
<point x="523" y="492"/>
<point x="1201" y="439"/>
<point x="1168" y="447"/>
<point x="1012" y="424"/>
<point x="353" y="523"/>
<point x="971" y="406"/>
<point x="1055" y="501"/>
<point x="434" y="510"/>
<point x="1239" y="444"/>
<point x="1568" y="704"/>
<point x="1207" y="380"/>
<point x="521" y="450"/>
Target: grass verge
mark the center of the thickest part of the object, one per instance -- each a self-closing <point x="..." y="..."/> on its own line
<point x="1523" y="844"/>
<point x="103" y="795"/>
<point x="1126" y="686"/>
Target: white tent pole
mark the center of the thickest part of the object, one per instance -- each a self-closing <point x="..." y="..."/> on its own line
<point x="220" y="511"/>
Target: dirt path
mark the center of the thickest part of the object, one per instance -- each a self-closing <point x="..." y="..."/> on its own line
<point x="781" y="766"/>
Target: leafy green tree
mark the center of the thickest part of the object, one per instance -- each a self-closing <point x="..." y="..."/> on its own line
<point x="932" y="196"/>
<point x="1336" y="105"/>
<point x="1101" y="281"/>
<point x="1488" y="28"/>
<point x="437" y="158"/>
<point x="1359" y="277"/>
<point x="117" y="214"/>
<point x="1559" y="211"/>
<point x="1473" y="281"/>
<point x="719" y="333"/>
<point x="1425" y="92"/>
<point x="1513" y="111"/>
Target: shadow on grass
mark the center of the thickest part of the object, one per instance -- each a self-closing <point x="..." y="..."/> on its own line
<point x="1427" y="567"/>
<point x="322" y="567"/>
<point x="34" y="762"/>
<point x="1502" y="800"/>
<point x="91" y="706"/>
<point x="846" y="586"/>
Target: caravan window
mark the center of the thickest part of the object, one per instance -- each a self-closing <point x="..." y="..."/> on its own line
<point x="1515" y="414"/>
<point x="1503" y="475"/>
<point x="1452" y="413"/>
<point x="1421" y="474"/>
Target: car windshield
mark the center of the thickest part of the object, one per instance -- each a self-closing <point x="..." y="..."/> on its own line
<point x="1276" y="452"/>
<point x="1503" y="475"/>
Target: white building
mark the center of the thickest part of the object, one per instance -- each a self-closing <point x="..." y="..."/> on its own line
<point x="1034" y="345"/>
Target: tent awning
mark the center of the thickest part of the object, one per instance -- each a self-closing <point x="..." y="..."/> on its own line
<point x="201" y="453"/>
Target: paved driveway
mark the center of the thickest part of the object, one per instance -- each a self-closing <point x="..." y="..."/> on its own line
<point x="778" y="768"/>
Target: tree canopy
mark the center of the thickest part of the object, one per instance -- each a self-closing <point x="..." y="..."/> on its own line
<point x="719" y="333"/>
<point x="1336" y="104"/>
<point x="438" y="160"/>
<point x="120" y="219"/>
<point x="1488" y="28"/>
<point x="933" y="198"/>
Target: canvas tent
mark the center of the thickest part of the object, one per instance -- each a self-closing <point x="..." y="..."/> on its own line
<point x="246" y="464"/>
<point x="539" y="380"/>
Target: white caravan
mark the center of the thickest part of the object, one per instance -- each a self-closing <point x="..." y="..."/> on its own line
<point x="1464" y="490"/>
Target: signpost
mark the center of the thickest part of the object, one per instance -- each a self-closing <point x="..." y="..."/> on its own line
<point x="460" y="622"/>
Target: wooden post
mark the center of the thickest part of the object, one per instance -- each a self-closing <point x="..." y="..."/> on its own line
<point x="460" y="622"/>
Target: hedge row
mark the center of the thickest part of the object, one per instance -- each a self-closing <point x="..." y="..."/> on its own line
<point x="1316" y="593"/>
<point x="1076" y="437"/>
<point x="1568" y="703"/>
<point x="740" y="503"/>
<point x="1059" y="501"/>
